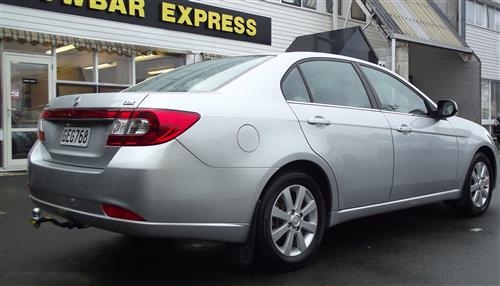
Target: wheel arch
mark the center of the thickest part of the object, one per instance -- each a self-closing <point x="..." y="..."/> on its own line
<point x="486" y="150"/>
<point x="317" y="173"/>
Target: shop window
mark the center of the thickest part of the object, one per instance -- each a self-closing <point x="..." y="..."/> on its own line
<point x="68" y="89"/>
<point x="103" y="89"/>
<point x="27" y="47"/>
<point x="147" y="66"/>
<point x="114" y="68"/>
<point x="74" y="65"/>
<point x="485" y="101"/>
<point x="356" y="11"/>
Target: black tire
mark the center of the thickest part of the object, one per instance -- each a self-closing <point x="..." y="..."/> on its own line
<point x="465" y="205"/>
<point x="267" y="250"/>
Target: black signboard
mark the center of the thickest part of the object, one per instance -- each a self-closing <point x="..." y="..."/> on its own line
<point x="176" y="15"/>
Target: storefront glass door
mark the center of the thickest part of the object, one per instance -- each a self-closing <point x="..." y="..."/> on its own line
<point x="27" y="88"/>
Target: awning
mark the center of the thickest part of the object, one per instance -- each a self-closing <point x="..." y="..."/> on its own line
<point x="350" y="42"/>
<point x="22" y="36"/>
<point x="418" y="21"/>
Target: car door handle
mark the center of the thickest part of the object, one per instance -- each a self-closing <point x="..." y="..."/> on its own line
<point x="404" y="128"/>
<point x="319" y="120"/>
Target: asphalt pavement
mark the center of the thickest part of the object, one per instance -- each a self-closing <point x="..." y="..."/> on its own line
<point x="419" y="246"/>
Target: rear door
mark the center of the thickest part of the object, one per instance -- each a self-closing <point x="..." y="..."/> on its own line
<point x="338" y="118"/>
<point x="425" y="149"/>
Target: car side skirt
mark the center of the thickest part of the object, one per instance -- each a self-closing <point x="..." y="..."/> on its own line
<point x="358" y="212"/>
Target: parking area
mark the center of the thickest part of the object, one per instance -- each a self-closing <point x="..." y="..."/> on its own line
<point x="423" y="245"/>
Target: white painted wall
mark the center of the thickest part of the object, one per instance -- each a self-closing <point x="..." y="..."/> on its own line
<point x="486" y="44"/>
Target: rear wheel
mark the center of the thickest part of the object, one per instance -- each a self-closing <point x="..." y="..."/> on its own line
<point x="477" y="190"/>
<point x="291" y="221"/>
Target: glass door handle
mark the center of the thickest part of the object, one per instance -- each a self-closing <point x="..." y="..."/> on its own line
<point x="319" y="120"/>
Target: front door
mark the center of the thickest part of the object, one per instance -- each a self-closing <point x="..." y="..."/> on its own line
<point x="425" y="149"/>
<point x="27" y="88"/>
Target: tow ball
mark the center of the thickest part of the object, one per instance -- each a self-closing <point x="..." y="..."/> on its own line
<point x="37" y="219"/>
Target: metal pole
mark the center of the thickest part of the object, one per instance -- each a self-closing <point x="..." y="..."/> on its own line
<point x="335" y="15"/>
<point x="393" y="55"/>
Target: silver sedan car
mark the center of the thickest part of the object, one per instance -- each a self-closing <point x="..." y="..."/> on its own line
<point x="258" y="150"/>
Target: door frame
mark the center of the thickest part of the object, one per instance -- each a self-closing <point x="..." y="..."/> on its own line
<point x="7" y="58"/>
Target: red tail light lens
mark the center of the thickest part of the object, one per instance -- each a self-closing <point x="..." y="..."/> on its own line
<point x="149" y="126"/>
<point x="41" y="122"/>
<point x="121" y="213"/>
<point x="131" y="127"/>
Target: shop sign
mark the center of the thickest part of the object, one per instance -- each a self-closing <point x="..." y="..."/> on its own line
<point x="178" y="15"/>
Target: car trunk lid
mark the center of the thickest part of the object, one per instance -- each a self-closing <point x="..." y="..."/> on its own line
<point x="89" y="117"/>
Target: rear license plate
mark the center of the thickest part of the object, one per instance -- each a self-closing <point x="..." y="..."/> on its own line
<point x="75" y="136"/>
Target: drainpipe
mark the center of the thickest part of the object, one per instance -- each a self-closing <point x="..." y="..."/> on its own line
<point x="335" y="15"/>
<point x="393" y="54"/>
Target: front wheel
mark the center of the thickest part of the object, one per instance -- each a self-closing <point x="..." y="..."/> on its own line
<point x="291" y="221"/>
<point x="478" y="188"/>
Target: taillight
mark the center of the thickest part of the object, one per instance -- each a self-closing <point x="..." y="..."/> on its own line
<point x="131" y="127"/>
<point x="149" y="126"/>
<point x="41" y="122"/>
<point x="121" y="213"/>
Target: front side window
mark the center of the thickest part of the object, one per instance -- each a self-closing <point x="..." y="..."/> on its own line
<point x="292" y="2"/>
<point x="335" y="83"/>
<point x="294" y="88"/>
<point x="393" y="94"/>
<point x="202" y="76"/>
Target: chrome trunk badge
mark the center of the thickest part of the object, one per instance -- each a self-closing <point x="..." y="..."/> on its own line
<point x="76" y="101"/>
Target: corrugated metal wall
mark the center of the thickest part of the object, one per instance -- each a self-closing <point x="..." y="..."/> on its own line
<point x="486" y="44"/>
<point x="288" y="22"/>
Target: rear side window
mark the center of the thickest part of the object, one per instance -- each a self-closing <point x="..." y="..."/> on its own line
<point x="393" y="94"/>
<point x="203" y="76"/>
<point x="294" y="88"/>
<point x="336" y="83"/>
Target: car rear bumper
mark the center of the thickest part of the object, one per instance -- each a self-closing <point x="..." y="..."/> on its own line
<point x="230" y="232"/>
<point x="176" y="194"/>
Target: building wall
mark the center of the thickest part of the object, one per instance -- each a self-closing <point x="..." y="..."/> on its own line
<point x="288" y="22"/>
<point x="486" y="44"/>
<point x="443" y="74"/>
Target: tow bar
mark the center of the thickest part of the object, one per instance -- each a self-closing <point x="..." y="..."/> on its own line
<point x="37" y="219"/>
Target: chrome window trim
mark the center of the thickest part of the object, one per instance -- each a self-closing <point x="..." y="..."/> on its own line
<point x="332" y="105"/>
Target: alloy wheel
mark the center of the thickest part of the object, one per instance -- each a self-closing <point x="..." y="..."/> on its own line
<point x="294" y="219"/>
<point x="480" y="184"/>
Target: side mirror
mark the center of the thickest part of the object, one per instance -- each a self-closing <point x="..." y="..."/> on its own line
<point x="446" y="108"/>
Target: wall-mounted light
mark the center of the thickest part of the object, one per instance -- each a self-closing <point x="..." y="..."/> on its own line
<point x="160" y="71"/>
<point x="147" y="57"/>
<point x="62" y="49"/>
<point x="102" y="66"/>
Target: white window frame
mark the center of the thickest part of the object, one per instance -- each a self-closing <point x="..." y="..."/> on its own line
<point x="485" y="15"/>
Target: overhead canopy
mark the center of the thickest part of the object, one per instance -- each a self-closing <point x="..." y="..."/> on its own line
<point x="350" y="42"/>
<point x="8" y="34"/>
<point x="418" y="21"/>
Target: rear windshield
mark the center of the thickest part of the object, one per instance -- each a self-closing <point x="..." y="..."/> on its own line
<point x="202" y="76"/>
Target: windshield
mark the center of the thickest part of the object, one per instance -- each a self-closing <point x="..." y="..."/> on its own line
<point x="202" y="76"/>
